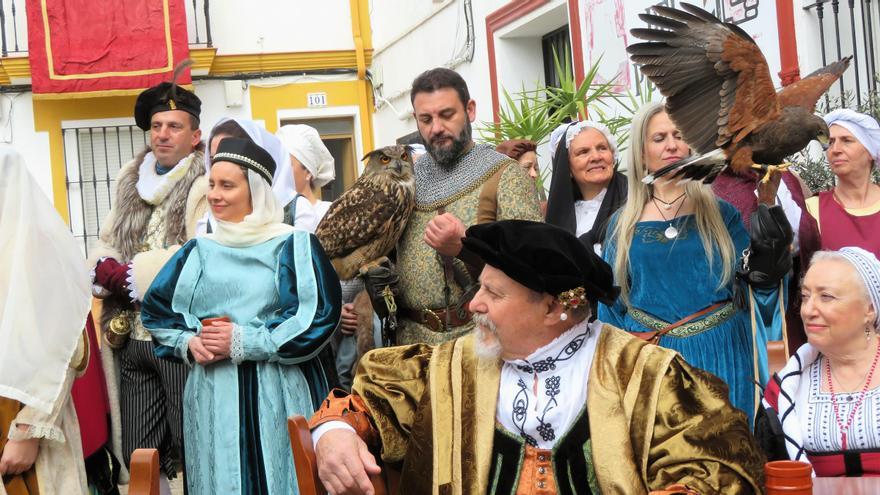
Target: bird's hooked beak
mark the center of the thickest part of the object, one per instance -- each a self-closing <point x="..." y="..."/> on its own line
<point x="823" y="140"/>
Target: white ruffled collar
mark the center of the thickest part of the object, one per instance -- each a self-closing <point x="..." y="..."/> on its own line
<point x="153" y="187"/>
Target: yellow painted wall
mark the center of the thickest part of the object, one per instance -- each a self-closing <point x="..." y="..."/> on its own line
<point x="266" y="102"/>
<point x="48" y="115"/>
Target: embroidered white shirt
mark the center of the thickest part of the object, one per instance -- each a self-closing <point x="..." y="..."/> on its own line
<point x="540" y="397"/>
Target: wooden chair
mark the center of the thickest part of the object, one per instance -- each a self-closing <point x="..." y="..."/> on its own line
<point x="144" y="472"/>
<point x="776" y="356"/>
<point x="306" y="464"/>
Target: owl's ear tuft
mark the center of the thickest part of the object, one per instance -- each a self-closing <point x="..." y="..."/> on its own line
<point x="371" y="154"/>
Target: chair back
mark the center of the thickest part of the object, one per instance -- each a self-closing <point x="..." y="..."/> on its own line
<point x="144" y="471"/>
<point x="304" y="460"/>
<point x="776" y="356"/>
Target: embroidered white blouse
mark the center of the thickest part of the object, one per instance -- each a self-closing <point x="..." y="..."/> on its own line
<point x="540" y="397"/>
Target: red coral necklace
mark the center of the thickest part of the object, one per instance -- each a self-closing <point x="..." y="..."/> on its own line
<point x="845" y="427"/>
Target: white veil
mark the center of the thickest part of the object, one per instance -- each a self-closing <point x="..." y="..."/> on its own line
<point x="265" y="140"/>
<point x="263" y="223"/>
<point x="45" y="293"/>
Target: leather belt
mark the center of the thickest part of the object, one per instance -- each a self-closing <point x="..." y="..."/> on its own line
<point x="435" y="319"/>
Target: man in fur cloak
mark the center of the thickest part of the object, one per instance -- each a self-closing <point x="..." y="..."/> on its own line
<point x="159" y="196"/>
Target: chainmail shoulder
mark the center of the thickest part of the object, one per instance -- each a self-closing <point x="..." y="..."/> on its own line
<point x="437" y="186"/>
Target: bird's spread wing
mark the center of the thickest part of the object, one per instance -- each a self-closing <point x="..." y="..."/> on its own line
<point x="806" y="92"/>
<point x="715" y="79"/>
<point x="358" y="217"/>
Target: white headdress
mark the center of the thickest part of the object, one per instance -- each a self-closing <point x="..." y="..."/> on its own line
<point x="45" y="292"/>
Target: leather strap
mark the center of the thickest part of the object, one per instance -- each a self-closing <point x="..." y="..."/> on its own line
<point x="654" y="337"/>
<point x="435" y="318"/>
<point x="350" y="409"/>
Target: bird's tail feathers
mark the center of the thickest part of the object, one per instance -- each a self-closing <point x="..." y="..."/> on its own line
<point x="702" y="168"/>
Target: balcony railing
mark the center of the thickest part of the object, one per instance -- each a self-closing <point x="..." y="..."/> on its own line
<point x="13" y="26"/>
<point x="848" y="28"/>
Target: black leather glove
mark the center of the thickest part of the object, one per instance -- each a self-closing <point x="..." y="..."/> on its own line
<point x="768" y="258"/>
<point x="377" y="278"/>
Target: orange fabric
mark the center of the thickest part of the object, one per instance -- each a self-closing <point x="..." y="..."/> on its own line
<point x="24" y="483"/>
<point x="536" y="476"/>
<point x="350" y="409"/>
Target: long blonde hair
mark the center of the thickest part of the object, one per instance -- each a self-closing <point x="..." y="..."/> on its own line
<point x="710" y="226"/>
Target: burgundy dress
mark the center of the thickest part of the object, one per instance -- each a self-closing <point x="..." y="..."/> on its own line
<point x="841" y="228"/>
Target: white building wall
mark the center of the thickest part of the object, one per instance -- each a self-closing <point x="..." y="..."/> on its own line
<point x="17" y="131"/>
<point x="265" y="26"/>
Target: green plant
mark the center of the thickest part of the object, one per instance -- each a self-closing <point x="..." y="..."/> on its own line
<point x="527" y="117"/>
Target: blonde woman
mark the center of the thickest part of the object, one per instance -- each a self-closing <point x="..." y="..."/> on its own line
<point x="674" y="249"/>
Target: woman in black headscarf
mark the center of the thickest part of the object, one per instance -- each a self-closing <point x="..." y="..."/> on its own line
<point x="586" y="187"/>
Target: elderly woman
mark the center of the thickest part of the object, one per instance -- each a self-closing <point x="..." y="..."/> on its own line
<point x="310" y="167"/>
<point x="849" y="214"/>
<point x="585" y="189"/>
<point x="823" y="407"/>
<point x="251" y="346"/>
<point x="674" y="249"/>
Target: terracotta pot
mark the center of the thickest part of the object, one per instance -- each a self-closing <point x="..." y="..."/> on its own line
<point x="789" y="478"/>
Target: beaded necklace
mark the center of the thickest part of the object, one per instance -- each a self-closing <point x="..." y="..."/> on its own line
<point x="844" y="427"/>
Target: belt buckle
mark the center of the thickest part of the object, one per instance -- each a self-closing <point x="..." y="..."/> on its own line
<point x="432" y="320"/>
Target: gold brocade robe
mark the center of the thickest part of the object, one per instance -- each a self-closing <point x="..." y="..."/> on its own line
<point x="662" y="421"/>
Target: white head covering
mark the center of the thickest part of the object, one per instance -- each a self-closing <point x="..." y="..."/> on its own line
<point x="263" y="223"/>
<point x="574" y="128"/>
<point x="868" y="268"/>
<point x="863" y="127"/>
<point x="305" y="144"/>
<point x="45" y="292"/>
<point x="265" y="140"/>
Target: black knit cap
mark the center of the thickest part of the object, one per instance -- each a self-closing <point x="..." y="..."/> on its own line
<point x="162" y="98"/>
<point x="246" y="153"/>
<point x="542" y="257"/>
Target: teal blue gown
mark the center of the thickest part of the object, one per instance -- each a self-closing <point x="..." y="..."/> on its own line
<point x="672" y="279"/>
<point x="284" y="298"/>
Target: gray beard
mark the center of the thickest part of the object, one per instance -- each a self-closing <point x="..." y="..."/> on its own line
<point x="488" y="347"/>
<point x="447" y="157"/>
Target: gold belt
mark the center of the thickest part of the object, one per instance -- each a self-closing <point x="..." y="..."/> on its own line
<point x="688" y="329"/>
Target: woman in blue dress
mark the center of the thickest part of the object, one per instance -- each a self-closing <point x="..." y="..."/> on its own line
<point x="674" y="249"/>
<point x="281" y="297"/>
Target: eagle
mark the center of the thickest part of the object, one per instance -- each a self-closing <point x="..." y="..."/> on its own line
<point x="720" y="95"/>
<point x="364" y="224"/>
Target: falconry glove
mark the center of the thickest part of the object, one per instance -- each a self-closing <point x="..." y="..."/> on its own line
<point x="768" y="258"/>
<point x="381" y="282"/>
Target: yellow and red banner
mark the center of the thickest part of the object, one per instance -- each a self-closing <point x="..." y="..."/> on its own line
<point x="83" y="47"/>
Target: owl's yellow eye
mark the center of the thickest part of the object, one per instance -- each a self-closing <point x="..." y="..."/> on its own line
<point x="385" y="160"/>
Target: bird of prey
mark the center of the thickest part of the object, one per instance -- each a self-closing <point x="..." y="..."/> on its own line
<point x="364" y="224"/>
<point x="720" y="95"/>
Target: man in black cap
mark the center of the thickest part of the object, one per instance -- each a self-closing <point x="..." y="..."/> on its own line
<point x="537" y="399"/>
<point x="160" y="195"/>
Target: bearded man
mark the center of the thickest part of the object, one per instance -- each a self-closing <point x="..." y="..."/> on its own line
<point x="536" y="399"/>
<point x="160" y="195"/>
<point x="458" y="184"/>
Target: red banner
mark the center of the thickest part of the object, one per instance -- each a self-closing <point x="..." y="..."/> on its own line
<point x="85" y="46"/>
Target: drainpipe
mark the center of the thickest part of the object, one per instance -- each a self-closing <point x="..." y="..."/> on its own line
<point x="788" y="54"/>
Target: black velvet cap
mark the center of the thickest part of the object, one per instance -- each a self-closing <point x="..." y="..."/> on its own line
<point x="246" y="153"/>
<point x="542" y="257"/>
<point x="162" y="98"/>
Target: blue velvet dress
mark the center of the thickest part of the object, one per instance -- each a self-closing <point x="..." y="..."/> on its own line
<point x="284" y="298"/>
<point x="672" y="279"/>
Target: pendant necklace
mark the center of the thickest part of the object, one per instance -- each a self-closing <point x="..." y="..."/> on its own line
<point x="668" y="205"/>
<point x="671" y="232"/>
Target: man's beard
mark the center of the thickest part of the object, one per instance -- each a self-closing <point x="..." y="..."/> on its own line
<point x="446" y="157"/>
<point x="488" y="346"/>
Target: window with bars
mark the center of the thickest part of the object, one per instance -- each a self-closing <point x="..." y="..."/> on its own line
<point x="93" y="157"/>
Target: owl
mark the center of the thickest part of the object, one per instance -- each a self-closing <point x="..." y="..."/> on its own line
<point x="364" y="224"/>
